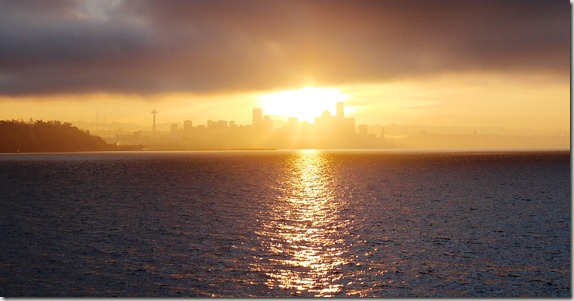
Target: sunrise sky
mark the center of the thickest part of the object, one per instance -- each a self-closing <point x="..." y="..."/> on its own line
<point x="444" y="63"/>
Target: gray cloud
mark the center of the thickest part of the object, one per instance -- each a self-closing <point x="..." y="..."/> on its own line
<point x="147" y="47"/>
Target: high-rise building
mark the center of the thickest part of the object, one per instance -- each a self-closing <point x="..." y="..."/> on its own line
<point x="267" y="123"/>
<point x="363" y="130"/>
<point x="340" y="110"/>
<point x="292" y="122"/>
<point x="216" y="125"/>
<point x="257" y="117"/>
<point x="187" y="125"/>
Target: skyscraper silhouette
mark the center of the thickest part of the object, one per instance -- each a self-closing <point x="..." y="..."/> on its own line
<point x="257" y="117"/>
<point x="340" y="110"/>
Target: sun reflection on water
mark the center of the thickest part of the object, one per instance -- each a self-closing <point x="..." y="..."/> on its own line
<point x="304" y="232"/>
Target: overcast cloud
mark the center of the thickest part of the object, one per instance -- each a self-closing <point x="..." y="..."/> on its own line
<point x="147" y="47"/>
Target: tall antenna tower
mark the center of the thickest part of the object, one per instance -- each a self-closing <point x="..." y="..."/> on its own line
<point x="153" y="113"/>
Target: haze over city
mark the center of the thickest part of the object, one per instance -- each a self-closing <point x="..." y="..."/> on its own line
<point x="296" y="148"/>
<point x="497" y="64"/>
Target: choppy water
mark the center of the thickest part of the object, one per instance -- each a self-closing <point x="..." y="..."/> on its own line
<point x="276" y="223"/>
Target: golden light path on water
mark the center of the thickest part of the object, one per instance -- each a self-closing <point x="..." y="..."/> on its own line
<point x="303" y="232"/>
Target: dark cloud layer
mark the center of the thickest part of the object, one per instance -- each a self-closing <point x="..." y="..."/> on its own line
<point x="146" y="47"/>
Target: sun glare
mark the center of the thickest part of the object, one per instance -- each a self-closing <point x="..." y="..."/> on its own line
<point x="305" y="104"/>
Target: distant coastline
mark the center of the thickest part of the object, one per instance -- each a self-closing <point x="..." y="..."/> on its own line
<point x="55" y="136"/>
<point x="51" y="136"/>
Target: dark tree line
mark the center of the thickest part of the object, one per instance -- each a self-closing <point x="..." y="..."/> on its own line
<point x="50" y="136"/>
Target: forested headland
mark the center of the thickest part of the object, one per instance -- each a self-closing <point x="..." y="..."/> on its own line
<point x="47" y="136"/>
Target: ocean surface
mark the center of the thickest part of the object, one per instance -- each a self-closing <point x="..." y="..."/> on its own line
<point x="286" y="223"/>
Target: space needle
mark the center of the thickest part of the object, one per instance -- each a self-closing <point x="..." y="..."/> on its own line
<point x="153" y="113"/>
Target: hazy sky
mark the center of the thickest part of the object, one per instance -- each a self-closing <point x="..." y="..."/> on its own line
<point x="460" y="63"/>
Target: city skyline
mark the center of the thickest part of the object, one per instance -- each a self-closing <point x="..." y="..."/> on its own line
<point x="259" y="118"/>
<point x="501" y="64"/>
<point x="295" y="148"/>
<point x="330" y="130"/>
<point x="98" y="123"/>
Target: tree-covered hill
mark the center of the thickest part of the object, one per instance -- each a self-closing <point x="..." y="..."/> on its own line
<point x="50" y="136"/>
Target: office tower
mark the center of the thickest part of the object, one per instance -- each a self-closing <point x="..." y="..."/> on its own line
<point x="257" y="117"/>
<point x="187" y="125"/>
<point x="340" y="110"/>
<point x="267" y="122"/>
<point x="363" y="130"/>
<point x="293" y="122"/>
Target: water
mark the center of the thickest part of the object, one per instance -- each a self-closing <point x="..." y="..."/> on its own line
<point x="286" y="223"/>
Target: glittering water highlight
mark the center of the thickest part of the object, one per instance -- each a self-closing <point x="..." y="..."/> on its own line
<point x="286" y="223"/>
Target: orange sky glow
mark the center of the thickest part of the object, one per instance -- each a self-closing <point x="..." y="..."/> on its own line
<point x="389" y="61"/>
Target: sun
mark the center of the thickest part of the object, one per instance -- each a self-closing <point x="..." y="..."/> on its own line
<point x="304" y="104"/>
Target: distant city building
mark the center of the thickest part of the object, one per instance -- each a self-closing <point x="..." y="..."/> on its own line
<point x="187" y="125"/>
<point x="345" y="125"/>
<point x="292" y="122"/>
<point x="338" y="123"/>
<point x="325" y="122"/>
<point x="363" y="130"/>
<point x="216" y="125"/>
<point x="340" y="110"/>
<point x="257" y="117"/>
<point x="267" y="123"/>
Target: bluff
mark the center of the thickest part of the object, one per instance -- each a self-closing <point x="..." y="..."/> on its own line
<point x="50" y="136"/>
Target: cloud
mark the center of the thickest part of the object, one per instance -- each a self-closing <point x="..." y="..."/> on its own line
<point x="147" y="47"/>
